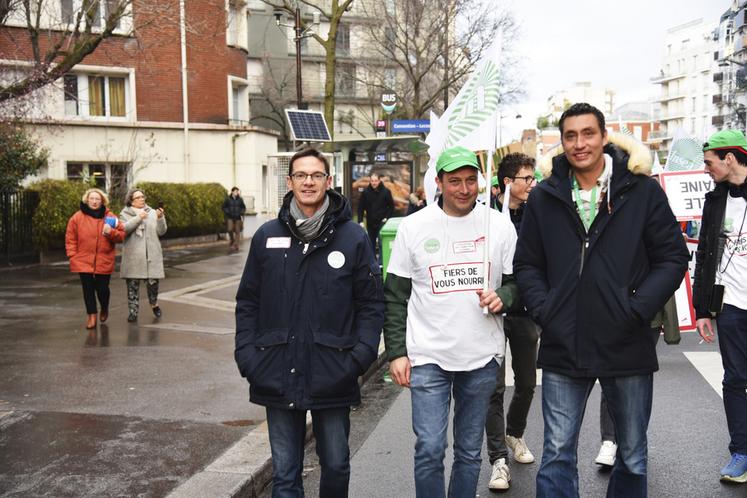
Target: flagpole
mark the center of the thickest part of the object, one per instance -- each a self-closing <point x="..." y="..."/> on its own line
<point x="486" y="227"/>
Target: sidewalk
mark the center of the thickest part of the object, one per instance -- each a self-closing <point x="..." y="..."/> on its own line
<point x="126" y="409"/>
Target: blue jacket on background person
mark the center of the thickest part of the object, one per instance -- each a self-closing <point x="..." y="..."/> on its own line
<point x="596" y="299"/>
<point x="302" y="338"/>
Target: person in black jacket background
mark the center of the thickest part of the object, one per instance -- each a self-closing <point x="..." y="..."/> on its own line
<point x="233" y="210"/>
<point x="721" y="265"/>
<point x="378" y="205"/>
<point x="598" y="255"/>
<point x="309" y="313"/>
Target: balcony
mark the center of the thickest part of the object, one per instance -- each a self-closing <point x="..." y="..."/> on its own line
<point x="663" y="78"/>
<point x="667" y="97"/>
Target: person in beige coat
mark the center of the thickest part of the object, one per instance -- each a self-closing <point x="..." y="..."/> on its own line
<point x="142" y="258"/>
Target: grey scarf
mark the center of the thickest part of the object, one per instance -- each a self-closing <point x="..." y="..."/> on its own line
<point x="308" y="228"/>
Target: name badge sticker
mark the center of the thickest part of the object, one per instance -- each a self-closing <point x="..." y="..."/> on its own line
<point x="465" y="246"/>
<point x="278" y="243"/>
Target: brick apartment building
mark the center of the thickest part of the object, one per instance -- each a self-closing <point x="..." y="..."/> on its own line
<point x="120" y="115"/>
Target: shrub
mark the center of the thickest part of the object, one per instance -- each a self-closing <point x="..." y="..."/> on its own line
<point x="58" y="201"/>
<point x="191" y="208"/>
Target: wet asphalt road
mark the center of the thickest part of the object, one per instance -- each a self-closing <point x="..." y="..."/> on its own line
<point x="687" y="440"/>
<point x="125" y="409"/>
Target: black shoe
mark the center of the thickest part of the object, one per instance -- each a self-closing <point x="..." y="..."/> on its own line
<point x="132" y="317"/>
<point x="157" y="311"/>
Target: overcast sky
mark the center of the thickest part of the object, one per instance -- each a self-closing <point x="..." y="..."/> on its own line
<point x="615" y="44"/>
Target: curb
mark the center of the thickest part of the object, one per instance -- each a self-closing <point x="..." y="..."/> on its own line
<point x="245" y="469"/>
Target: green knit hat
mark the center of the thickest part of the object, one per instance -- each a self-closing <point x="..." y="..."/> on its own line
<point x="726" y="139"/>
<point x="454" y="158"/>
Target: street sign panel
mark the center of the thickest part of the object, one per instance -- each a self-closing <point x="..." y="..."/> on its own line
<point x="308" y="126"/>
<point x="411" y="126"/>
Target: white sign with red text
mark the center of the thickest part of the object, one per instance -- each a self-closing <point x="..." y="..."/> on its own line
<point x="686" y="191"/>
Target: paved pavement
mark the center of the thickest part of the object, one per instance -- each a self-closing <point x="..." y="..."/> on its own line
<point x="126" y="409"/>
<point x="687" y="437"/>
<point x="157" y="408"/>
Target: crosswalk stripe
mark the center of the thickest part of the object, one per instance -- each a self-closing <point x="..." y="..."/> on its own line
<point x="708" y="364"/>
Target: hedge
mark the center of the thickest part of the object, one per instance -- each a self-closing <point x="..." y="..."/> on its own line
<point x="191" y="208"/>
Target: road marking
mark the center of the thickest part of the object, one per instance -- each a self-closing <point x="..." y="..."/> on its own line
<point x="192" y="294"/>
<point x="708" y="364"/>
<point x="187" y="327"/>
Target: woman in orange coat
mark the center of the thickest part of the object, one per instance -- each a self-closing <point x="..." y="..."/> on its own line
<point x="90" y="238"/>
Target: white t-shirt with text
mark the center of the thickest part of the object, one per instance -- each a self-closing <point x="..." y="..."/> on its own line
<point x="443" y="257"/>
<point x="734" y="276"/>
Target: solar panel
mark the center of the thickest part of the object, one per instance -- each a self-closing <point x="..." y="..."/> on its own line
<point x="308" y="126"/>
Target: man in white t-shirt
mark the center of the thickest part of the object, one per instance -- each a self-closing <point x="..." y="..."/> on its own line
<point x="439" y="342"/>
<point x="720" y="287"/>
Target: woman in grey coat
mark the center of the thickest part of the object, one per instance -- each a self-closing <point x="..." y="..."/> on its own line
<point x="142" y="258"/>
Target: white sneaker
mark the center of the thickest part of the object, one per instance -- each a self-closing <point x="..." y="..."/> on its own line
<point x="607" y="454"/>
<point x="519" y="449"/>
<point x="500" y="478"/>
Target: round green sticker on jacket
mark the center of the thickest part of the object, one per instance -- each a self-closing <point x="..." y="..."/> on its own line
<point x="431" y="246"/>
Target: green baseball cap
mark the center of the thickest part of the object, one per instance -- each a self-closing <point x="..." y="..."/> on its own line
<point x="454" y="158"/>
<point x="494" y="181"/>
<point x="726" y="139"/>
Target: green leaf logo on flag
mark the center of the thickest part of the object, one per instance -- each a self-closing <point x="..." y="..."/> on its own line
<point x="478" y="105"/>
<point x="686" y="154"/>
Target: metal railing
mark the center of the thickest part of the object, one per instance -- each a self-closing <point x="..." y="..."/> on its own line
<point x="16" y="237"/>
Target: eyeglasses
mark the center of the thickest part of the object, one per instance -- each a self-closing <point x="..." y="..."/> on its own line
<point x="529" y="179"/>
<point x="317" y="177"/>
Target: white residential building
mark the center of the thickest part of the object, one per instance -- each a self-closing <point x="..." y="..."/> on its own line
<point x="686" y="79"/>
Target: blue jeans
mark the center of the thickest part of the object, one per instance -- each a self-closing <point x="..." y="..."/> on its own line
<point x="563" y="405"/>
<point x="732" y="342"/>
<point x="431" y="388"/>
<point x="287" y="430"/>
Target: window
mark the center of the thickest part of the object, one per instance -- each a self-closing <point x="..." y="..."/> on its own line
<point x="256" y="5"/>
<point x="96" y="95"/>
<point x="239" y="104"/>
<point x="68" y="14"/>
<point x="390" y="39"/>
<point x="345" y="80"/>
<point x="694" y="104"/>
<point x="70" y="84"/>
<point x="110" y="177"/>
<point x="69" y="11"/>
<point x="237" y="32"/>
<point x="390" y="78"/>
<point x="343" y="39"/>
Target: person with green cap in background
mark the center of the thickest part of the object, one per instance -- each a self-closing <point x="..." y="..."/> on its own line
<point x="438" y="340"/>
<point x="720" y="287"/>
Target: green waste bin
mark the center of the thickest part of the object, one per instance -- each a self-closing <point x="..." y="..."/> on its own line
<point x="386" y="239"/>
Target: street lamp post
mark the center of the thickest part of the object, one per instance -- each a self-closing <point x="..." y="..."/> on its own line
<point x="299" y="34"/>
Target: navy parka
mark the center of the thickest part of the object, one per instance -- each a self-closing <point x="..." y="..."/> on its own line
<point x="595" y="293"/>
<point x="308" y="315"/>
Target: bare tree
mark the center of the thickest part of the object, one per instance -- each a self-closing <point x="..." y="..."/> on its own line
<point x="332" y="11"/>
<point x="58" y="40"/>
<point x="431" y="46"/>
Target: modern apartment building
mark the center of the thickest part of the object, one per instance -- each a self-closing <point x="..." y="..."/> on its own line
<point x="127" y="114"/>
<point x="687" y="81"/>
<point x="730" y="73"/>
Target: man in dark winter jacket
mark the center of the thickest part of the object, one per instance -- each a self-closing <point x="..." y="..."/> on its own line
<point x="598" y="255"/>
<point x="720" y="288"/>
<point x="233" y="210"/>
<point x="377" y="203"/>
<point x="309" y="313"/>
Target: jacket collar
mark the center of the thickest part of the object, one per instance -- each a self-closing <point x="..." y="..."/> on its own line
<point x="338" y="211"/>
